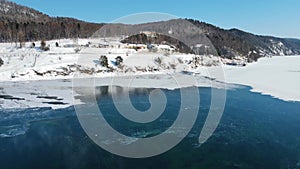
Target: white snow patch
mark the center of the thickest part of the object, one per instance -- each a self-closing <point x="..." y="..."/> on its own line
<point x="277" y="76"/>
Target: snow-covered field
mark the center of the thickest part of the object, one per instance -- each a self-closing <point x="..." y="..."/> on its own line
<point x="277" y="76"/>
<point x="31" y="77"/>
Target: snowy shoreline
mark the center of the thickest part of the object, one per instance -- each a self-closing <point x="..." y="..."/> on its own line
<point x="33" y="78"/>
<point x="60" y="93"/>
<point x="278" y="77"/>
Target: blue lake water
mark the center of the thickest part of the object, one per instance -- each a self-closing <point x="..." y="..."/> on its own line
<point x="255" y="132"/>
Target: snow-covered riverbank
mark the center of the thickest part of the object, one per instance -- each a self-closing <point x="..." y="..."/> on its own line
<point x="34" y="78"/>
<point x="277" y="76"/>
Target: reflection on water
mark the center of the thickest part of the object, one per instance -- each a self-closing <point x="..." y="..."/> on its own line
<point x="255" y="132"/>
<point x="101" y="91"/>
<point x="117" y="90"/>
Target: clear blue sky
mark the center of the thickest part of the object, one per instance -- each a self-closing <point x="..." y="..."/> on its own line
<point x="267" y="17"/>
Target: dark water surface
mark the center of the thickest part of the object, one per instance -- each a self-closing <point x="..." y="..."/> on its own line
<point x="256" y="132"/>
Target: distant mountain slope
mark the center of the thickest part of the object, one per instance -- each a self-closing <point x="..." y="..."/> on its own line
<point x="19" y="23"/>
<point x="225" y="43"/>
<point x="234" y="41"/>
<point x="13" y="12"/>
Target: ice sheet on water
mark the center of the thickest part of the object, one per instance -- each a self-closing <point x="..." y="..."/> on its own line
<point x="15" y="122"/>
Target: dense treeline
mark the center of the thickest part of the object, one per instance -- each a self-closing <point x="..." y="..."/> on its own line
<point x="54" y="29"/>
<point x="20" y="23"/>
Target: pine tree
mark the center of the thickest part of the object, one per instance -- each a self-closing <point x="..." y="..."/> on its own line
<point x="1" y="62"/>
<point x="43" y="44"/>
<point x="119" y="60"/>
<point x="103" y="61"/>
